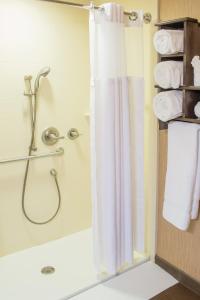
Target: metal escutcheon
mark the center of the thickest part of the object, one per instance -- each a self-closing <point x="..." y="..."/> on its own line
<point x="73" y="134"/>
<point x="48" y="136"/>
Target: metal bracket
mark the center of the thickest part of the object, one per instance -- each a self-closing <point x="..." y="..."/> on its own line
<point x="147" y="18"/>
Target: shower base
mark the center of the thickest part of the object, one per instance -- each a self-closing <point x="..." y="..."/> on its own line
<point x="67" y="265"/>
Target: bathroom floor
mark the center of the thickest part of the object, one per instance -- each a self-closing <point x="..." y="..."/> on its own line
<point x="21" y="277"/>
<point x="141" y="283"/>
<point x="177" y="292"/>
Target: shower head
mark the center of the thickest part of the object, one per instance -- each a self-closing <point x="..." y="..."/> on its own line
<point x="43" y="73"/>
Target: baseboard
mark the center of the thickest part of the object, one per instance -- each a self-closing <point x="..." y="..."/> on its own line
<point x="181" y="276"/>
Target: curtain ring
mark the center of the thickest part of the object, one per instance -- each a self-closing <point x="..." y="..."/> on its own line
<point x="133" y="16"/>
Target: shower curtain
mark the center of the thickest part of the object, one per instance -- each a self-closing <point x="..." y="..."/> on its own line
<point x="112" y="139"/>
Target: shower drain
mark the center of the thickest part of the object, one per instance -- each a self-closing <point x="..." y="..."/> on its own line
<point x="47" y="270"/>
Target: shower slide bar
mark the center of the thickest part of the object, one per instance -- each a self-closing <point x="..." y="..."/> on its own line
<point x="59" y="151"/>
<point x="133" y="15"/>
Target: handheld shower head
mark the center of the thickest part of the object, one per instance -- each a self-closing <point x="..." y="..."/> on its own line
<point x="43" y="73"/>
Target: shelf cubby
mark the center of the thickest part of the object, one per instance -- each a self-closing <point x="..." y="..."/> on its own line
<point x="191" y="94"/>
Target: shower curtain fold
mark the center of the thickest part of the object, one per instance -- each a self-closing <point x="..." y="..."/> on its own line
<point x="110" y="141"/>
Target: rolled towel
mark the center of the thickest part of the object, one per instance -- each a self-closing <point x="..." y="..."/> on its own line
<point x="168" y="105"/>
<point x="169" y="74"/>
<point x="197" y="110"/>
<point x="169" y="41"/>
<point x="196" y="65"/>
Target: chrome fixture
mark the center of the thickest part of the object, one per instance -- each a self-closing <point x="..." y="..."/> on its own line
<point x="147" y="17"/>
<point x="73" y="134"/>
<point x="59" y="151"/>
<point x="33" y="99"/>
<point x="43" y="73"/>
<point x="48" y="270"/>
<point x="30" y="93"/>
<point x="51" y="135"/>
<point x="133" y="15"/>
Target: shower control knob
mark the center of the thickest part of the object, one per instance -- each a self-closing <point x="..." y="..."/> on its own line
<point x="50" y="136"/>
<point x="73" y="134"/>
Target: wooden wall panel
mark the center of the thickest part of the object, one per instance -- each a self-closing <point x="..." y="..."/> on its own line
<point x="173" y="9"/>
<point x="181" y="249"/>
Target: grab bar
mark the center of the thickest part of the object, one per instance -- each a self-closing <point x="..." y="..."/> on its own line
<point x="59" y="151"/>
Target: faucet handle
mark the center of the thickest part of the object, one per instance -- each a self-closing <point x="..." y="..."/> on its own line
<point x="50" y="136"/>
<point x="73" y="134"/>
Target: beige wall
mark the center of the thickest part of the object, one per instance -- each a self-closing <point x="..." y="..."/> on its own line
<point x="34" y="34"/>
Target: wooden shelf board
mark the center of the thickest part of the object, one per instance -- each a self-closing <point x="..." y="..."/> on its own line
<point x="170" y="89"/>
<point x="171" y="55"/>
<point x="182" y="20"/>
<point x="192" y="88"/>
<point x="189" y="120"/>
<point x="164" y="125"/>
<point x="188" y="88"/>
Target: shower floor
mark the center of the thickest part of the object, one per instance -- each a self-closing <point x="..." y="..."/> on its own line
<point x="72" y="258"/>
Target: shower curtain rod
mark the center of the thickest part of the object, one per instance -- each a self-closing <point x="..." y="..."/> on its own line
<point x="132" y="15"/>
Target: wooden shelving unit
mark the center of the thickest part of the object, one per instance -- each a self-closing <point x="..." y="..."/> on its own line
<point x="191" y="94"/>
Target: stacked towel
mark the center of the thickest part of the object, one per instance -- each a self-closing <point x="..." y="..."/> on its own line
<point x="169" y="41"/>
<point x="168" y="105"/>
<point x="197" y="110"/>
<point x="182" y="187"/>
<point x="169" y="74"/>
<point x="196" y="65"/>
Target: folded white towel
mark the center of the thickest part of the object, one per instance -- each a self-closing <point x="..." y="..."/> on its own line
<point x="182" y="187"/>
<point x="169" y="74"/>
<point x="169" y="41"/>
<point x="168" y="105"/>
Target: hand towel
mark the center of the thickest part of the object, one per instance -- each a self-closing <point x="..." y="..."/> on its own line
<point x="169" y="74"/>
<point x="182" y="186"/>
<point x="168" y="105"/>
<point x="169" y="41"/>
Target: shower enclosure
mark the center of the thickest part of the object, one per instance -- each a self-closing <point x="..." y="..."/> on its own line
<point x="45" y="154"/>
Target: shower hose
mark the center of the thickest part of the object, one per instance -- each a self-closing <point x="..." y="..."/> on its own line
<point x="52" y="172"/>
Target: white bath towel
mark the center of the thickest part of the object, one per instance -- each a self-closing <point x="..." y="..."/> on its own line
<point x="168" y="105"/>
<point x="182" y="186"/>
<point x="169" y="74"/>
<point x="169" y="41"/>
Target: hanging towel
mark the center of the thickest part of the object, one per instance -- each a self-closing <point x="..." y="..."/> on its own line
<point x="169" y="41"/>
<point x="182" y="186"/>
<point x="169" y="74"/>
<point x="168" y="105"/>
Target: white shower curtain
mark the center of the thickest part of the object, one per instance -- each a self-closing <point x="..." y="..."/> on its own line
<point x="111" y="141"/>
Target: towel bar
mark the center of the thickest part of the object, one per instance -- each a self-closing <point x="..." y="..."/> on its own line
<point x="59" y="151"/>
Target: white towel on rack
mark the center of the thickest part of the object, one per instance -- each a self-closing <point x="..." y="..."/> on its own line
<point x="182" y="186"/>
<point x="168" y="105"/>
<point x="169" y="74"/>
<point x="169" y="41"/>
